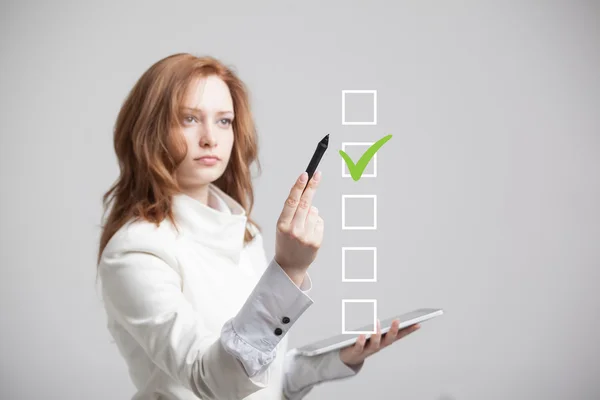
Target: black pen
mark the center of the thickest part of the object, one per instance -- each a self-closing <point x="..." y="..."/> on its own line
<point x="316" y="158"/>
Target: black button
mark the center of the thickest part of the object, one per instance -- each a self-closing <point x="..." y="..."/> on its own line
<point x="285" y="320"/>
<point x="278" y="331"/>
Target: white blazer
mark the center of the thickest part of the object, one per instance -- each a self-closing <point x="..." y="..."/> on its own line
<point x="196" y="314"/>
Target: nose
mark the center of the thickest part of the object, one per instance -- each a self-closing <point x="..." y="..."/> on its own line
<point x="207" y="137"/>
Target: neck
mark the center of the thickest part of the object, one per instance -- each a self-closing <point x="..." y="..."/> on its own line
<point x="199" y="193"/>
<point x="220" y="224"/>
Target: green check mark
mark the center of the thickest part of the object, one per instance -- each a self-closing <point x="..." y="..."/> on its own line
<point x="356" y="170"/>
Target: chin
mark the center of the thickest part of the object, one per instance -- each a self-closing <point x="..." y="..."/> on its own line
<point x="206" y="177"/>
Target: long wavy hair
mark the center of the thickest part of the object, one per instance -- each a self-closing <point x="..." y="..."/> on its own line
<point x="149" y="150"/>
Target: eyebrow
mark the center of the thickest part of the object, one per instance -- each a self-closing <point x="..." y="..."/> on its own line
<point x="198" y="110"/>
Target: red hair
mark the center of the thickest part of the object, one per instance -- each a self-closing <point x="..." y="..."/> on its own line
<point x="149" y="150"/>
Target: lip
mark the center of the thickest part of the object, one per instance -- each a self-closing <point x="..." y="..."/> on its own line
<point x="207" y="160"/>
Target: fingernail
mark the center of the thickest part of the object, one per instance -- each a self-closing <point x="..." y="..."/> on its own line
<point x="304" y="177"/>
<point x="318" y="175"/>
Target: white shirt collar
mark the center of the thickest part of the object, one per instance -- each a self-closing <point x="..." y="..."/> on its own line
<point x="221" y="228"/>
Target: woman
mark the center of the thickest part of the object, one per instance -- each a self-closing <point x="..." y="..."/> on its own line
<point x="194" y="306"/>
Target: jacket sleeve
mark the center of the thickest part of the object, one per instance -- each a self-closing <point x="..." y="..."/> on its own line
<point x="302" y="373"/>
<point x="269" y="313"/>
<point x="141" y="288"/>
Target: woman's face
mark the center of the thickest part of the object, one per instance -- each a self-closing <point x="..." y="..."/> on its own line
<point x="207" y="116"/>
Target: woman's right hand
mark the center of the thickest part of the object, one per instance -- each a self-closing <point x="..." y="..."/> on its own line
<point x="299" y="229"/>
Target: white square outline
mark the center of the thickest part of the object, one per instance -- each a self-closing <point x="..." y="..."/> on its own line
<point x="374" y="250"/>
<point x="374" y="159"/>
<point x="359" y="196"/>
<point x="373" y="92"/>
<point x="344" y="301"/>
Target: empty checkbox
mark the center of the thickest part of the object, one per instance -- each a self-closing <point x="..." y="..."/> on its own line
<point x="359" y="306"/>
<point x="359" y="264"/>
<point x="355" y="150"/>
<point x="359" y="212"/>
<point x="359" y="107"/>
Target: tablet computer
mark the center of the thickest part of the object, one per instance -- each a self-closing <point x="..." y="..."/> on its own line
<point x="344" y="340"/>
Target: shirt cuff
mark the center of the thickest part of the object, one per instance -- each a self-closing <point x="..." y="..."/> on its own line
<point x="303" y="372"/>
<point x="306" y="284"/>
<point x="268" y="314"/>
<point x="338" y="369"/>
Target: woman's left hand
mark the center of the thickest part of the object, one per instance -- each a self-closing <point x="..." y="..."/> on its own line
<point x="357" y="353"/>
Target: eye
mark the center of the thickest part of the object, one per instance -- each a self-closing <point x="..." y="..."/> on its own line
<point x="188" y="117"/>
<point x="227" y="121"/>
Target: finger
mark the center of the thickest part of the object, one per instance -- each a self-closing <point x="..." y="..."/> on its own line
<point x="375" y="340"/>
<point x="311" y="222"/>
<point x="317" y="235"/>
<point x="390" y="336"/>
<point x="359" y="345"/>
<point x="291" y="203"/>
<point x="299" y="220"/>
<point x="407" y="331"/>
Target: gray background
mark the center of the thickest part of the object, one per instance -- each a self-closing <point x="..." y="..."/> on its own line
<point x="488" y="192"/>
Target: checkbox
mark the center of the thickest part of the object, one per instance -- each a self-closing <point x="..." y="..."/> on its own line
<point x="356" y="151"/>
<point x="372" y="301"/>
<point x="362" y="104"/>
<point x="358" y="216"/>
<point x="363" y="259"/>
